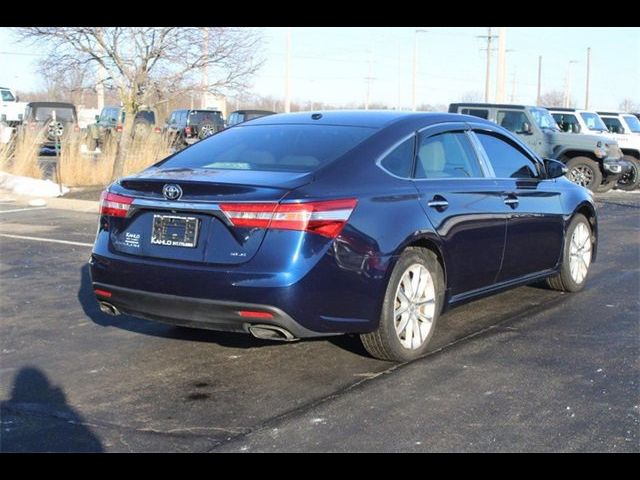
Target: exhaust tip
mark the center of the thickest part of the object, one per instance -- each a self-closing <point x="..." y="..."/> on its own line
<point x="109" y="309"/>
<point x="271" y="332"/>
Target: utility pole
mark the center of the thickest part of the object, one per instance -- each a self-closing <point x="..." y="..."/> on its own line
<point x="287" y="75"/>
<point x="489" y="37"/>
<point x="567" y="91"/>
<point x="513" y="88"/>
<point x="586" y="99"/>
<point x="539" y="79"/>
<point x="415" y="67"/>
<point x="205" y="72"/>
<point x="502" y="67"/>
<point x="368" y="79"/>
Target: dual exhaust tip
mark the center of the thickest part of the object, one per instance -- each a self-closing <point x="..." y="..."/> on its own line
<point x="264" y="332"/>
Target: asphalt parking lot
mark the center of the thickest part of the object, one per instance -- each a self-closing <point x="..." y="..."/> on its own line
<point x="527" y="370"/>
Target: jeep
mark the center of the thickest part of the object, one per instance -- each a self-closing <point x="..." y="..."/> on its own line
<point x="55" y="120"/>
<point x="110" y="123"/>
<point x="573" y="120"/>
<point x="593" y="161"/>
<point x="186" y="127"/>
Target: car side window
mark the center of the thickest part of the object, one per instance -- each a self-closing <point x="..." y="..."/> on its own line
<point x="507" y="160"/>
<point x="567" y="122"/>
<point x="476" y="112"/>
<point x="400" y="160"/>
<point x="512" y="120"/>
<point x="447" y="155"/>
<point x="613" y="124"/>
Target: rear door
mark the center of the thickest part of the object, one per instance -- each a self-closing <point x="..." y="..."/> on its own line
<point x="463" y="204"/>
<point x="535" y="226"/>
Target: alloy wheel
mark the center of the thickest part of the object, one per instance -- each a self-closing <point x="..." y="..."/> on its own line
<point x="580" y="253"/>
<point x="414" y="306"/>
<point x="582" y="175"/>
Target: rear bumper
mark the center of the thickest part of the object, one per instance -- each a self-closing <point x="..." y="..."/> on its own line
<point x="197" y="312"/>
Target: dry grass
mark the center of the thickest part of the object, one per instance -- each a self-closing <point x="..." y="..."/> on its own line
<point x="77" y="166"/>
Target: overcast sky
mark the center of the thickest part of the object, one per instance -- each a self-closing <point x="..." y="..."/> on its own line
<point x="331" y="64"/>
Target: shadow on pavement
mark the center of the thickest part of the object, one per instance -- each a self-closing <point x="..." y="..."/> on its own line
<point x="91" y="309"/>
<point x="37" y="418"/>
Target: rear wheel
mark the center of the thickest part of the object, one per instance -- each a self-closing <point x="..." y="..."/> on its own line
<point x="576" y="258"/>
<point x="584" y="172"/>
<point x="411" y="308"/>
<point x="631" y="180"/>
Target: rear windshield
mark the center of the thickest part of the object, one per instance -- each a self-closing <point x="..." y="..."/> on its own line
<point x="288" y="148"/>
<point x="146" y="116"/>
<point x="45" y="113"/>
<point x="199" y="117"/>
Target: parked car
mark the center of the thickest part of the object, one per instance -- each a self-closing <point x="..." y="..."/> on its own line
<point x="240" y="116"/>
<point x="110" y="123"/>
<point x="53" y="120"/>
<point x="586" y="122"/>
<point x="239" y="232"/>
<point x="186" y="127"/>
<point x="11" y="110"/>
<point x="594" y="161"/>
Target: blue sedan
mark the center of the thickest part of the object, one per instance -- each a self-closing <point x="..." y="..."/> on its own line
<point x="313" y="224"/>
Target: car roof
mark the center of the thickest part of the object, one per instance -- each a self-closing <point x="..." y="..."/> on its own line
<point x="254" y="111"/>
<point x="52" y="104"/>
<point x="614" y="113"/>
<point x="490" y="105"/>
<point x="364" y="118"/>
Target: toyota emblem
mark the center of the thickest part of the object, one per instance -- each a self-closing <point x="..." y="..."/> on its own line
<point x="171" y="191"/>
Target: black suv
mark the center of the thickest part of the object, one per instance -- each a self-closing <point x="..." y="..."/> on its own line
<point x="185" y="127"/>
<point x="55" y="119"/>
<point x="240" y="116"/>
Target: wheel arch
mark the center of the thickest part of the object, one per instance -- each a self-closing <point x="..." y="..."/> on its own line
<point x="433" y="244"/>
<point x="588" y="210"/>
<point x="570" y="154"/>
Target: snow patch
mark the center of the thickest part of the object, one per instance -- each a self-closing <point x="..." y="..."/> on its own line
<point x="28" y="186"/>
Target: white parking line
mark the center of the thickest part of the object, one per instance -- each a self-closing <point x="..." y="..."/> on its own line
<point x="40" y="239"/>
<point x="22" y="209"/>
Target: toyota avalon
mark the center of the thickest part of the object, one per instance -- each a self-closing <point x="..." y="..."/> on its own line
<point x="314" y="224"/>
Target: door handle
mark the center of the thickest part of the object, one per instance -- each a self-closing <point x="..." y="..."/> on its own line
<point x="438" y="202"/>
<point x="511" y="200"/>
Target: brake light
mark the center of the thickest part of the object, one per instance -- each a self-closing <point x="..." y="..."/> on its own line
<point x="76" y="128"/>
<point x="157" y="130"/>
<point x="114" y="205"/>
<point x="187" y="130"/>
<point x="118" y="128"/>
<point x="102" y="293"/>
<point x="325" y="218"/>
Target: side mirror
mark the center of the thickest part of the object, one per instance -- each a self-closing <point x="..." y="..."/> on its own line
<point x="554" y="168"/>
<point x="526" y="128"/>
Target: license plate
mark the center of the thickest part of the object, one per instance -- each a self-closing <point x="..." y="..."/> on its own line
<point x="175" y="231"/>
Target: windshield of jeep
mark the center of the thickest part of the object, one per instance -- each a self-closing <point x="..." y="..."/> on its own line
<point x="63" y="114"/>
<point x="593" y="121"/>
<point x="6" y="96"/>
<point x="633" y="122"/>
<point x="544" y="119"/>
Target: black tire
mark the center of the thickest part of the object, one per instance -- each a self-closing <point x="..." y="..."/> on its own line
<point x="631" y="180"/>
<point x="585" y="172"/>
<point x="383" y="343"/>
<point x="564" y="281"/>
<point x="606" y="186"/>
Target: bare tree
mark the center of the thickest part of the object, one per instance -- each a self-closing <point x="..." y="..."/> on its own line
<point x="628" y="105"/>
<point x="472" y="96"/>
<point x="553" y="98"/>
<point x="145" y="63"/>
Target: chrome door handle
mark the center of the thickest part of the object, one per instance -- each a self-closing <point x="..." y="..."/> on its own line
<point x="438" y="202"/>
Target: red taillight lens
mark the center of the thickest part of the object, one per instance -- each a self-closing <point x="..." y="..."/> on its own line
<point x="325" y="218"/>
<point x="187" y="130"/>
<point x="102" y="293"/>
<point x="114" y="205"/>
<point x="157" y="130"/>
<point x="255" y="314"/>
<point x="118" y="128"/>
<point x="76" y="128"/>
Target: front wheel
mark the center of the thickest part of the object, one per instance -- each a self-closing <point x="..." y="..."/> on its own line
<point x="630" y="180"/>
<point x="411" y="308"/>
<point x="576" y="257"/>
<point x="584" y="172"/>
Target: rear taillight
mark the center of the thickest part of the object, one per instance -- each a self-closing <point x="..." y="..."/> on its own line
<point x="76" y="128"/>
<point x="187" y="130"/>
<point x="113" y="205"/>
<point x="325" y="218"/>
<point x="118" y="128"/>
<point x="157" y="130"/>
